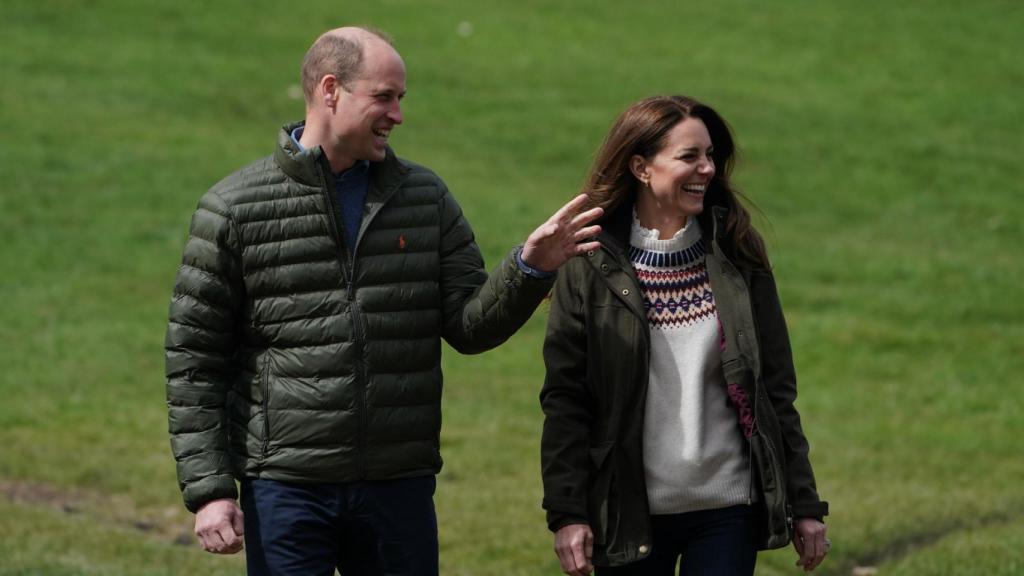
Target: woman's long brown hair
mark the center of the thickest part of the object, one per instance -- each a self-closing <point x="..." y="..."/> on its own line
<point x="642" y="129"/>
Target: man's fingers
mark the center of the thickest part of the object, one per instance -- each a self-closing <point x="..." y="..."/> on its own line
<point x="229" y="536"/>
<point x="222" y="538"/>
<point x="211" y="541"/>
<point x="571" y="207"/>
<point x="238" y="523"/>
<point x="587" y="217"/>
<point x="585" y="247"/>
<point x="588" y="232"/>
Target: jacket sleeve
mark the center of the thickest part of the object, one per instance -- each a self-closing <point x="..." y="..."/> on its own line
<point x="779" y="378"/>
<point x="479" y="311"/>
<point x="200" y="347"/>
<point x="567" y="406"/>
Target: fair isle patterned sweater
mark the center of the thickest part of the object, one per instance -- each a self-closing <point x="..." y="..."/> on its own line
<point x="695" y="457"/>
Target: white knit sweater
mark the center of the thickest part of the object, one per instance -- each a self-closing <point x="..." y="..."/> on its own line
<point x="695" y="457"/>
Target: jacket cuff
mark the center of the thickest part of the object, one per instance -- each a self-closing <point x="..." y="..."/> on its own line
<point x="208" y="489"/>
<point x="558" y="520"/>
<point x="530" y="271"/>
<point x="817" y="510"/>
<point x="514" y="276"/>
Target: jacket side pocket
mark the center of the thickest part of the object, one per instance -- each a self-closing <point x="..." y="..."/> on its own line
<point x="773" y="490"/>
<point x="599" y="490"/>
<point x="265" y="404"/>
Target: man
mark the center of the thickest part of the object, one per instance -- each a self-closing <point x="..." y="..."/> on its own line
<point x="304" y="341"/>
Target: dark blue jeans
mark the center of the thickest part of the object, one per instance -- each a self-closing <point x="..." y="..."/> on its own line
<point x="720" y="542"/>
<point x="383" y="528"/>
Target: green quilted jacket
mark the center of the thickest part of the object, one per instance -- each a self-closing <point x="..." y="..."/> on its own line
<point x="294" y="357"/>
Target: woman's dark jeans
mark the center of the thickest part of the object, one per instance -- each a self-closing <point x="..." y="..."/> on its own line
<point x="721" y="542"/>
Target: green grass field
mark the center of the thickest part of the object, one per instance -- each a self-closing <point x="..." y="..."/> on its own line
<point x="880" y="138"/>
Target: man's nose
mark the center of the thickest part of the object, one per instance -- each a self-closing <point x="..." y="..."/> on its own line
<point x="395" y="114"/>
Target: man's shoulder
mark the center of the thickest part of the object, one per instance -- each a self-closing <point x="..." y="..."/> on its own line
<point x="245" y="178"/>
<point x="239" y="186"/>
<point x="419" y="175"/>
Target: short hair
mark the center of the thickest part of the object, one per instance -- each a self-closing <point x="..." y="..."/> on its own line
<point x="339" y="54"/>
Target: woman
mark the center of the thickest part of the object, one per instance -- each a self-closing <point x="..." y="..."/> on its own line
<point x="669" y="428"/>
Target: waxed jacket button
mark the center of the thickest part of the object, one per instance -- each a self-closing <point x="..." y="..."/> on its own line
<point x="590" y="252"/>
<point x="625" y="291"/>
<point x="643" y="549"/>
<point x="604" y="267"/>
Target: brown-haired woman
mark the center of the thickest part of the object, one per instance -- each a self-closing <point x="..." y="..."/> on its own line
<point x="670" y="429"/>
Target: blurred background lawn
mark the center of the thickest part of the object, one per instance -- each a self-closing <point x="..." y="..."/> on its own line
<point x="882" y="140"/>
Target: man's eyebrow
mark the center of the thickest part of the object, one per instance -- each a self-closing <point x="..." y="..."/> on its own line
<point x="383" y="91"/>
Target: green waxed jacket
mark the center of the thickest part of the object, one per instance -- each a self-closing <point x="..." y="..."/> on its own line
<point x="294" y="357"/>
<point x="597" y="357"/>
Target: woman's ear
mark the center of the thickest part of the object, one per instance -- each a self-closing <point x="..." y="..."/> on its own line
<point x="638" y="166"/>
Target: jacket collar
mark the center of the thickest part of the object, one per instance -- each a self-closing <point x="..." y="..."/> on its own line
<point x="303" y="166"/>
<point x="717" y="221"/>
<point x="306" y="166"/>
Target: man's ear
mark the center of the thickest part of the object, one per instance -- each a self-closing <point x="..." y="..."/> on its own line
<point x="329" y="90"/>
<point x="638" y="166"/>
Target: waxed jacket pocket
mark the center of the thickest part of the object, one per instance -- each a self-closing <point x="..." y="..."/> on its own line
<point x="612" y="330"/>
<point x="599" y="490"/>
<point x="773" y="490"/>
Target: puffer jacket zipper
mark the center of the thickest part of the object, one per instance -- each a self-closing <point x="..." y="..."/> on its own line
<point x="361" y="376"/>
<point x="347" y="261"/>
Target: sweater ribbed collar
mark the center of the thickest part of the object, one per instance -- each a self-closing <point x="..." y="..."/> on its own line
<point x="647" y="239"/>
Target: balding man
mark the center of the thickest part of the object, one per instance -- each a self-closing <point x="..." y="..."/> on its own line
<point x="304" y="342"/>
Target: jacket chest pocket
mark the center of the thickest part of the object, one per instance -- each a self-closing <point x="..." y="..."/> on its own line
<point x="614" y="340"/>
